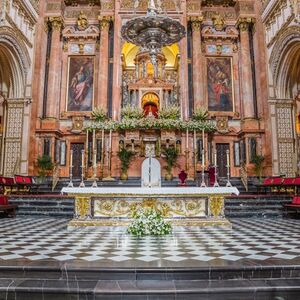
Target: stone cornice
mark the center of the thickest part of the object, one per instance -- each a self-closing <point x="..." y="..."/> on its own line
<point x="29" y="12"/>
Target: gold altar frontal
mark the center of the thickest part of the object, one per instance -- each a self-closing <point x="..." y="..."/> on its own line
<point x="96" y="209"/>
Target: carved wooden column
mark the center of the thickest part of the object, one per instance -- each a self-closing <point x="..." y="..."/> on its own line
<point x="104" y="22"/>
<point x="197" y="68"/>
<point x="54" y="68"/>
<point x="246" y="70"/>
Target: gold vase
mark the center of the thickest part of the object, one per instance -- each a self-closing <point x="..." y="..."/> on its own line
<point x="124" y="176"/>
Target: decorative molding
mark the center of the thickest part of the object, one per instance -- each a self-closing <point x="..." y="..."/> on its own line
<point x="55" y="22"/>
<point x="243" y="23"/>
<point x="218" y="21"/>
<point x="104" y="22"/>
<point x="196" y="22"/>
<point x="82" y="21"/>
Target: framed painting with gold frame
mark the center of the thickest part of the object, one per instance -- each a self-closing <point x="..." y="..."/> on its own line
<point x="80" y="83"/>
<point x="220" y="84"/>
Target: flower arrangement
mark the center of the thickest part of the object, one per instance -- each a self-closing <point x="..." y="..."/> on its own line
<point x="149" y="222"/>
<point x="99" y="114"/>
<point x="200" y="115"/>
<point x="171" y="112"/>
<point x="131" y="112"/>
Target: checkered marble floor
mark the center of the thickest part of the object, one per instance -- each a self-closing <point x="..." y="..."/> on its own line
<point x="38" y="239"/>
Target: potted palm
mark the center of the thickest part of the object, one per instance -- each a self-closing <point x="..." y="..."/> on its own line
<point x="258" y="161"/>
<point x="45" y="166"/>
<point x="170" y="155"/>
<point x="125" y="157"/>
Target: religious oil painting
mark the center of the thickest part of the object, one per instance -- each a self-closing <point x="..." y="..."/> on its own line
<point x="219" y="80"/>
<point x="80" y="83"/>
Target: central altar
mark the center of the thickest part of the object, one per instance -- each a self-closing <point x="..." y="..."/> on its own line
<point x="182" y="206"/>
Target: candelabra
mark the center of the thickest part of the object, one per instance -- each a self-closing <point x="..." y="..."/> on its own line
<point x="94" y="185"/>
<point x="203" y="169"/>
<point x="82" y="185"/>
<point x="216" y="184"/>
<point x="71" y="170"/>
<point x="228" y="184"/>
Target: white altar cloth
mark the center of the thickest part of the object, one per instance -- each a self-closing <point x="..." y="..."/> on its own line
<point x="153" y="191"/>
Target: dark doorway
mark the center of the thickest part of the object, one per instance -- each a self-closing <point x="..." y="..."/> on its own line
<point x="222" y="159"/>
<point x="77" y="161"/>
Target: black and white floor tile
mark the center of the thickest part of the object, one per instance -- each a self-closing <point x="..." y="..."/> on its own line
<point x="37" y="239"/>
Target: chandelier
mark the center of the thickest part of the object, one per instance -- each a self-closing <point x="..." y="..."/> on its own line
<point x="153" y="32"/>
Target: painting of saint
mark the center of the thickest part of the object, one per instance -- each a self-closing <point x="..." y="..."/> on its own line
<point x="80" y="83"/>
<point x="219" y="79"/>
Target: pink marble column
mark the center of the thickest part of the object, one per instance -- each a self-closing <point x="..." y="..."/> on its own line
<point x="196" y="59"/>
<point x="117" y="68"/>
<point x="54" y="68"/>
<point x="246" y="71"/>
<point x="104" y="22"/>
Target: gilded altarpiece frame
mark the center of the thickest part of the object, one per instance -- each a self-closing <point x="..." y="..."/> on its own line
<point x="80" y="83"/>
<point x="220" y="93"/>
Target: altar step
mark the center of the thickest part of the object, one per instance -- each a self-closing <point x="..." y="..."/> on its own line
<point x="211" y="283"/>
<point x="253" y="206"/>
<point x="244" y="206"/>
<point x="43" y="205"/>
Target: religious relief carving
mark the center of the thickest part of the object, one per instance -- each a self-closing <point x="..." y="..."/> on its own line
<point x="222" y="124"/>
<point x="82" y="21"/>
<point x="218" y="21"/>
<point x="56" y="23"/>
<point x="244" y="23"/>
<point x="77" y="124"/>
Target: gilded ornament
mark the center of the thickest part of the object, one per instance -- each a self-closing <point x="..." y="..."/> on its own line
<point x="218" y="21"/>
<point x="82" y="206"/>
<point x="56" y="23"/>
<point x="196" y="22"/>
<point x="216" y="205"/>
<point x="104" y="22"/>
<point x="244" y="23"/>
<point x="82" y="21"/>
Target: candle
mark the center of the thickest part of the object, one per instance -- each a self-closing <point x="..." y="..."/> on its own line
<point x="71" y="158"/>
<point x="110" y="132"/>
<point x="215" y="157"/>
<point x="195" y="140"/>
<point x="227" y="156"/>
<point x="203" y="137"/>
<point x="203" y="162"/>
<point x="187" y="138"/>
<point x="94" y="140"/>
<point x="95" y="159"/>
<point x="82" y="158"/>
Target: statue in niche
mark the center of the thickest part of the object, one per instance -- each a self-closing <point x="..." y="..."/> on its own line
<point x="82" y="21"/>
<point x="218" y="21"/>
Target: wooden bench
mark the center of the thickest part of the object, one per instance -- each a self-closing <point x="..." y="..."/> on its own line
<point x="8" y="209"/>
<point x="7" y="185"/>
<point x="288" y="185"/>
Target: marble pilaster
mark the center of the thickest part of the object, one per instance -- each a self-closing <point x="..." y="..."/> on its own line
<point x="54" y="68"/>
<point x="198" y="90"/>
<point x="246" y="70"/>
<point x="104" y="23"/>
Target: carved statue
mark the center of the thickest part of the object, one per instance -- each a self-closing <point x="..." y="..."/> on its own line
<point x="82" y="21"/>
<point x="218" y="21"/>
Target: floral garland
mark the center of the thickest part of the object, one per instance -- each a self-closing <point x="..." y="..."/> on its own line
<point x="148" y="123"/>
<point x="149" y="222"/>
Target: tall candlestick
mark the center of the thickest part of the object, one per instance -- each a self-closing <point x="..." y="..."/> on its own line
<point x="203" y="137"/>
<point x="216" y="184"/>
<point x="71" y="169"/>
<point x="94" y="140"/>
<point x="203" y="169"/>
<point x="187" y="138"/>
<point x="228" y="184"/>
<point x="82" y="169"/>
<point x="110" y="133"/>
<point x="195" y="140"/>
<point x="95" y="170"/>
<point x="215" y="157"/>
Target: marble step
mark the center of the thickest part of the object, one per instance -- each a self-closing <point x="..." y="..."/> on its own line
<point x="150" y="289"/>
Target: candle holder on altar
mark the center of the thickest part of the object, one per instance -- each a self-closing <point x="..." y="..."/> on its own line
<point x="228" y="183"/>
<point x="71" y="170"/>
<point x="108" y="177"/>
<point x="202" y="171"/>
<point x="216" y="184"/>
<point x="82" y="170"/>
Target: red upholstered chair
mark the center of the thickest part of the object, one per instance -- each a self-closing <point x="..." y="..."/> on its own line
<point x="3" y="200"/>
<point x="268" y="181"/>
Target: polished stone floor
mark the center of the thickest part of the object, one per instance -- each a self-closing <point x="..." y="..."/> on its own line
<point x="251" y="241"/>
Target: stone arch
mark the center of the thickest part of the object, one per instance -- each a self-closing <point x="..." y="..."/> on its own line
<point x="14" y="64"/>
<point x="284" y="63"/>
